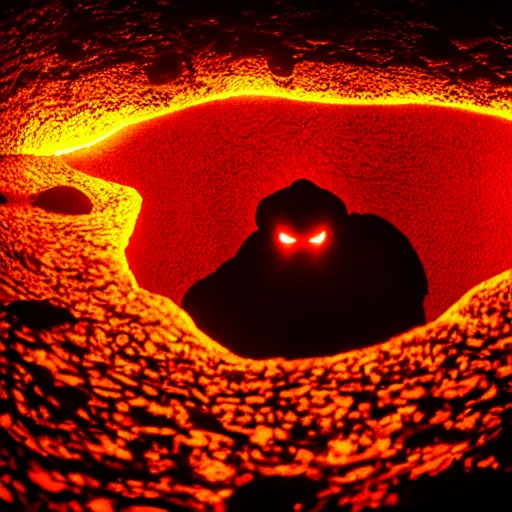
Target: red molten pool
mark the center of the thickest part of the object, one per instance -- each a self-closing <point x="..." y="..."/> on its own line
<point x="438" y="174"/>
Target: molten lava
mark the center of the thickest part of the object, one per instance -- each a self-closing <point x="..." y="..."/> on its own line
<point x="114" y="401"/>
<point x="435" y="173"/>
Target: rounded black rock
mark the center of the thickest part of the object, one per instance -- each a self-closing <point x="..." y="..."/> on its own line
<point x="65" y="200"/>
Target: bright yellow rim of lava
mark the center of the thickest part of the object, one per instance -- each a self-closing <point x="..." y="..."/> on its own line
<point x="101" y="105"/>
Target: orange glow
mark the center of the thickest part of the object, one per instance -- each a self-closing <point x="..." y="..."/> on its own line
<point x="318" y="239"/>
<point x="95" y="109"/>
<point x="83" y="128"/>
<point x="286" y="239"/>
<point x="183" y="401"/>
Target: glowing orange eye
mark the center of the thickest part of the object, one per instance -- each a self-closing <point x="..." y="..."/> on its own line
<point x="286" y="239"/>
<point x="318" y="239"/>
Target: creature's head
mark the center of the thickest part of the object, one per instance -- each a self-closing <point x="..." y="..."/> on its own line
<point x="302" y="221"/>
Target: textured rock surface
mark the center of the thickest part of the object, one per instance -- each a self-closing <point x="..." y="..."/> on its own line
<point x="131" y="406"/>
<point x="71" y="72"/>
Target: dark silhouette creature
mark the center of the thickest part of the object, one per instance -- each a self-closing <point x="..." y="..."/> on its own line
<point x="312" y="280"/>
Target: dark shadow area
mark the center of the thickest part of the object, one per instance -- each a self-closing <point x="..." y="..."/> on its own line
<point x="39" y="314"/>
<point x="63" y="199"/>
<point x="313" y="280"/>
<point x="453" y="489"/>
<point x="274" y="494"/>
